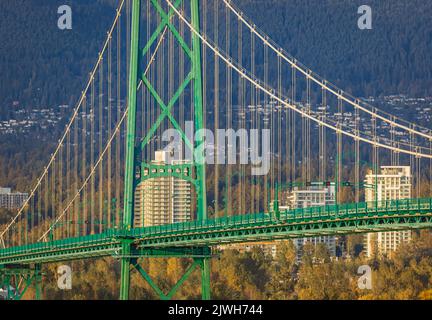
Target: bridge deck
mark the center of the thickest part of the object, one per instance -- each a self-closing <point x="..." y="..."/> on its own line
<point x="305" y="222"/>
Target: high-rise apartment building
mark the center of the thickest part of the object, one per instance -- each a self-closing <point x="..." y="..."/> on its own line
<point x="313" y="196"/>
<point x="391" y="183"/>
<point x="9" y="200"/>
<point x="162" y="200"/>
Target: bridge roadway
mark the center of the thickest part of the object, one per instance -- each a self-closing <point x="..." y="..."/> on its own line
<point x="198" y="236"/>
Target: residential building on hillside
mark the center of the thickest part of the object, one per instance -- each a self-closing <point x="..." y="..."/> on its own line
<point x="391" y="183"/>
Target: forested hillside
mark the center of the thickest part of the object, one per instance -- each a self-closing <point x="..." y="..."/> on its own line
<point x="41" y="65"/>
<point x="391" y="58"/>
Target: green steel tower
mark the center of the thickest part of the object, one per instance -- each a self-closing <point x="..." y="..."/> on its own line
<point x="194" y="172"/>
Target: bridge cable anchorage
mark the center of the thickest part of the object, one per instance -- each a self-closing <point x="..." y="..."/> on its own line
<point x="68" y="127"/>
<point x="264" y="89"/>
<point x="96" y="164"/>
<point x="317" y="79"/>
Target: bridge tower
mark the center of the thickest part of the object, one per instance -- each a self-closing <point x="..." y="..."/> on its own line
<point x="195" y="172"/>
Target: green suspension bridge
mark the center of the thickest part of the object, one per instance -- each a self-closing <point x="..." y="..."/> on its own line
<point x="167" y="63"/>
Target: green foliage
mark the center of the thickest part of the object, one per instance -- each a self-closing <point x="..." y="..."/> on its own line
<point x="253" y="275"/>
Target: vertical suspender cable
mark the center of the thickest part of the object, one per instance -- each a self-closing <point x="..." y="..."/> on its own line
<point x="357" y="157"/>
<point x="216" y="107"/>
<point x="240" y="114"/>
<point x="92" y="152"/>
<point x="101" y="128"/>
<point x="228" y="115"/>
<point x="308" y="131"/>
<point x="83" y="218"/>
<point x="53" y="190"/>
<point x="40" y="221"/>
<point x="293" y="124"/>
<point x="418" y="178"/>
<point x="375" y="151"/>
<point x="118" y="140"/>
<point x="76" y="151"/>
<point x="254" y="105"/>
<point x="322" y="142"/>
<point x="339" y="150"/>
<point x="46" y="198"/>
<point x="109" y="121"/>
<point x="288" y="153"/>
<point x="279" y="126"/>
<point x="430" y="170"/>
<point x="266" y="120"/>
<point x="60" y="187"/>
<point x="68" y="182"/>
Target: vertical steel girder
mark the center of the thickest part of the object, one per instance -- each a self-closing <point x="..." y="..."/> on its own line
<point x="199" y="111"/>
<point x="205" y="278"/>
<point x="130" y="149"/>
<point x="125" y="262"/>
<point x="194" y="76"/>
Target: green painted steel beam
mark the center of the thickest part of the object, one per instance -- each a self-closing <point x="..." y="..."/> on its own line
<point x="205" y="278"/>
<point x="185" y="276"/>
<point x="166" y="111"/>
<point x="180" y="171"/>
<point x="175" y="252"/>
<point x="175" y="288"/>
<point x="149" y="280"/>
<point x="159" y="29"/>
<point x="166" y="18"/>
<point x="328" y="220"/>
<point x="199" y="110"/>
<point x="129" y="181"/>
<point x="131" y="117"/>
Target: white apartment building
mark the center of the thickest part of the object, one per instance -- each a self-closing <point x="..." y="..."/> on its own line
<point x="10" y="201"/>
<point x="392" y="183"/>
<point x="162" y="200"/>
<point x="312" y="197"/>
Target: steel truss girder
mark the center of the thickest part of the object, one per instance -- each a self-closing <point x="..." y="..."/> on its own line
<point x="279" y="230"/>
<point x="53" y="252"/>
<point x="206" y="235"/>
<point x="212" y="235"/>
<point x="22" y="277"/>
<point x="174" y="252"/>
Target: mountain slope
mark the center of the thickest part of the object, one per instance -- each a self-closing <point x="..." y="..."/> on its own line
<point x="41" y="65"/>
